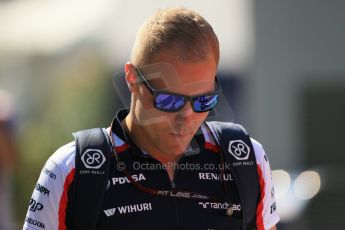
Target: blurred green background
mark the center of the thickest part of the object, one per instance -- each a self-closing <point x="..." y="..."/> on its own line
<point x="69" y="95"/>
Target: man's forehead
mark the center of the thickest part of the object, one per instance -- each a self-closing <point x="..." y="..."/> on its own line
<point x="159" y="70"/>
<point x="165" y="72"/>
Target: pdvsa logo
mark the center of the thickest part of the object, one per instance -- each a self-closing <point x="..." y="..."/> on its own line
<point x="93" y="158"/>
<point x="239" y="149"/>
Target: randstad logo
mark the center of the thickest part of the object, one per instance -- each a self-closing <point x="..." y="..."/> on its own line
<point x="239" y="149"/>
<point x="93" y="158"/>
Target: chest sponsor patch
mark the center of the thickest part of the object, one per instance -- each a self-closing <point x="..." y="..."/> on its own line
<point x="124" y="180"/>
<point x="220" y="206"/>
<point x="127" y="209"/>
<point x="215" y="176"/>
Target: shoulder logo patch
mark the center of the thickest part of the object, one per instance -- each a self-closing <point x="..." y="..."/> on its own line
<point x="93" y="158"/>
<point x="239" y="149"/>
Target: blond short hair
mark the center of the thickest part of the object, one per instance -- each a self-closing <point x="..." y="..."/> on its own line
<point x="179" y="31"/>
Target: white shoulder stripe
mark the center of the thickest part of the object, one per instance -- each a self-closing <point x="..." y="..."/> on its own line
<point x="64" y="157"/>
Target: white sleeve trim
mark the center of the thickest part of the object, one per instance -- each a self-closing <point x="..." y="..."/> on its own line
<point x="43" y="211"/>
<point x="269" y="213"/>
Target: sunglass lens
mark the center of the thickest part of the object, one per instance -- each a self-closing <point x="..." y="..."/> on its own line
<point x="205" y="103"/>
<point x="169" y="102"/>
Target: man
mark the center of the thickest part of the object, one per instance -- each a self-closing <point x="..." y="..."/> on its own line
<point x="173" y="87"/>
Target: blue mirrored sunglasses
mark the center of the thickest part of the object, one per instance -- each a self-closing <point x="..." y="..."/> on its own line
<point x="173" y="102"/>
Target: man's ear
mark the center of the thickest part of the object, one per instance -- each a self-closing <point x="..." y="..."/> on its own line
<point x="131" y="77"/>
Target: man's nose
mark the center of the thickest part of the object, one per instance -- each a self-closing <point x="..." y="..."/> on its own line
<point x="186" y="113"/>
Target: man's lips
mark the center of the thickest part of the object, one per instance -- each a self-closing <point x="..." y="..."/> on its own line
<point x="176" y="134"/>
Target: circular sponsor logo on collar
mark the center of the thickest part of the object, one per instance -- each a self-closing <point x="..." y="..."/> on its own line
<point x="239" y="149"/>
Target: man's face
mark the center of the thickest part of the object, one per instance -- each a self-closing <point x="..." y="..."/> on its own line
<point x="171" y="132"/>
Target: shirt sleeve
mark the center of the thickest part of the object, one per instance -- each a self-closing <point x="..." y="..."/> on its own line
<point x="267" y="215"/>
<point x="48" y="203"/>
